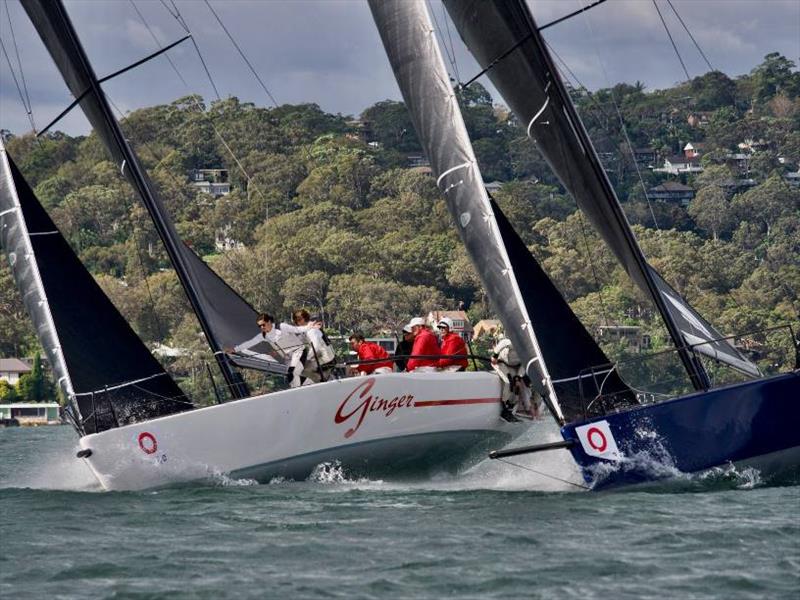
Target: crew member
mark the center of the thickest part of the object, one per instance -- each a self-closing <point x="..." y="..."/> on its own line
<point x="453" y="348"/>
<point x="425" y="352"/>
<point x="318" y="357"/>
<point x="369" y="351"/>
<point x="518" y="391"/>
<point x="404" y="348"/>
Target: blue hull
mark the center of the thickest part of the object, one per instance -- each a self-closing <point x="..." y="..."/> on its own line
<point x="756" y="423"/>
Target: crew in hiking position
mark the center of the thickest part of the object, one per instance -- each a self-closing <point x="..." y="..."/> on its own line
<point x="517" y="391"/>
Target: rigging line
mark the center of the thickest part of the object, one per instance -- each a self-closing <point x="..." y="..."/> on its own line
<point x="672" y="41"/>
<point x="205" y="67"/>
<point x="19" y="89"/>
<point x="629" y="144"/>
<point x="578" y="485"/>
<point x="591" y="255"/>
<point x="499" y="58"/>
<point x="197" y="104"/>
<point x="451" y="58"/>
<point x="700" y="50"/>
<point x="446" y="20"/>
<point x="241" y="53"/>
<point x="155" y="39"/>
<point x="136" y="240"/>
<point x="19" y="61"/>
<point x="569" y="16"/>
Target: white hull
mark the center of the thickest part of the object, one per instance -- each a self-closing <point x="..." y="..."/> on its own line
<point x="401" y="424"/>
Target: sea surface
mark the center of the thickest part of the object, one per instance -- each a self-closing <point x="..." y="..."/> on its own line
<point x="496" y="531"/>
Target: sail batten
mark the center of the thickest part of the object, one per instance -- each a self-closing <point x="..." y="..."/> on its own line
<point x="527" y="80"/>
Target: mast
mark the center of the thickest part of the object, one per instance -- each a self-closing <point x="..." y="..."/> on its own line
<point x="52" y="22"/>
<point x="504" y="39"/>
<point x="408" y="37"/>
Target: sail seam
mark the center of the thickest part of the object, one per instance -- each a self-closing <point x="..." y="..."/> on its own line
<point x="121" y="385"/>
<point x="32" y="233"/>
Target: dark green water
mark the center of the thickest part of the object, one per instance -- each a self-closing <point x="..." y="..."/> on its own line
<point x="496" y="532"/>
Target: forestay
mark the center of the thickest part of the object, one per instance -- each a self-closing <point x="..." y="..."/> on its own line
<point x="526" y="77"/>
<point x="106" y="373"/>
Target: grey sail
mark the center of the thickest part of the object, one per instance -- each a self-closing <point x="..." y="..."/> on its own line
<point x="107" y="375"/>
<point x="226" y="318"/>
<point x="408" y="37"/>
<point x="503" y="34"/>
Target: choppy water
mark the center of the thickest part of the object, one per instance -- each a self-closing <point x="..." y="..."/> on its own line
<point x="496" y="532"/>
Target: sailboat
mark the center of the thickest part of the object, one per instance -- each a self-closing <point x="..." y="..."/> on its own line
<point x="137" y="429"/>
<point x="617" y="434"/>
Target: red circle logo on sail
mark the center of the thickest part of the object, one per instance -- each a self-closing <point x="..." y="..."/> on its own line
<point x="148" y="443"/>
<point x="597" y="439"/>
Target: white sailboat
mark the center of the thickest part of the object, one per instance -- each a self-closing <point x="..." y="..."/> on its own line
<point x="139" y="431"/>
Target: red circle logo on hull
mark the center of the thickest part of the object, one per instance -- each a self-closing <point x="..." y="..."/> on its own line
<point x="148" y="443"/>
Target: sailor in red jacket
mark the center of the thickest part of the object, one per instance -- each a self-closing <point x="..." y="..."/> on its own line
<point x="452" y="346"/>
<point x="425" y="344"/>
<point x="370" y="351"/>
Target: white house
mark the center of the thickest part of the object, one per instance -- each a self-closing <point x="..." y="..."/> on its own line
<point x="11" y="369"/>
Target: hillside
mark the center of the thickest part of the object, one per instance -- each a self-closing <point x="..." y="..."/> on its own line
<point x="325" y="211"/>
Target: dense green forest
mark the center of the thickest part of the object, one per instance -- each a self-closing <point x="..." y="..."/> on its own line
<point x="324" y="211"/>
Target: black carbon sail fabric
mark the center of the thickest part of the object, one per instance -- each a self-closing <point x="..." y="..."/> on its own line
<point x="104" y="370"/>
<point x="527" y="79"/>
<point x="227" y="319"/>
<point x="568" y="348"/>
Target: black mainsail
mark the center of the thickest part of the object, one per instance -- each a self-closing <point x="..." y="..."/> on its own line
<point x="226" y="318"/>
<point x="105" y="372"/>
<point x="504" y="38"/>
<point x="544" y="330"/>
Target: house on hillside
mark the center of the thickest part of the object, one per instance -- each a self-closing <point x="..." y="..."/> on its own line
<point x="11" y="369"/>
<point x="680" y="164"/>
<point x="630" y="335"/>
<point x="211" y="181"/>
<point x="693" y="150"/>
<point x="672" y="191"/>
<point x="461" y="324"/>
<point x="792" y="178"/>
<point x="644" y="156"/>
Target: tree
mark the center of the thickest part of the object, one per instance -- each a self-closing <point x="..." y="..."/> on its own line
<point x="776" y="74"/>
<point x="33" y="387"/>
<point x="8" y="393"/>
<point x="391" y="126"/>
<point x="712" y="211"/>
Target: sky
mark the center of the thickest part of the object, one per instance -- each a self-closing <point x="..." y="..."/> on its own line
<point x="328" y="51"/>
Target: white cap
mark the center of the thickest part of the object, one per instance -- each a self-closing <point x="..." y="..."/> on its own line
<point x="416" y="321"/>
<point x="406" y="328"/>
<point x="445" y="322"/>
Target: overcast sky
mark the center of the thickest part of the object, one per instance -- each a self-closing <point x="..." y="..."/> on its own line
<point x="328" y="52"/>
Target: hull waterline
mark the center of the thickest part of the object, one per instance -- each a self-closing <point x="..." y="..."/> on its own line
<point x="398" y="425"/>
<point x="752" y="424"/>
